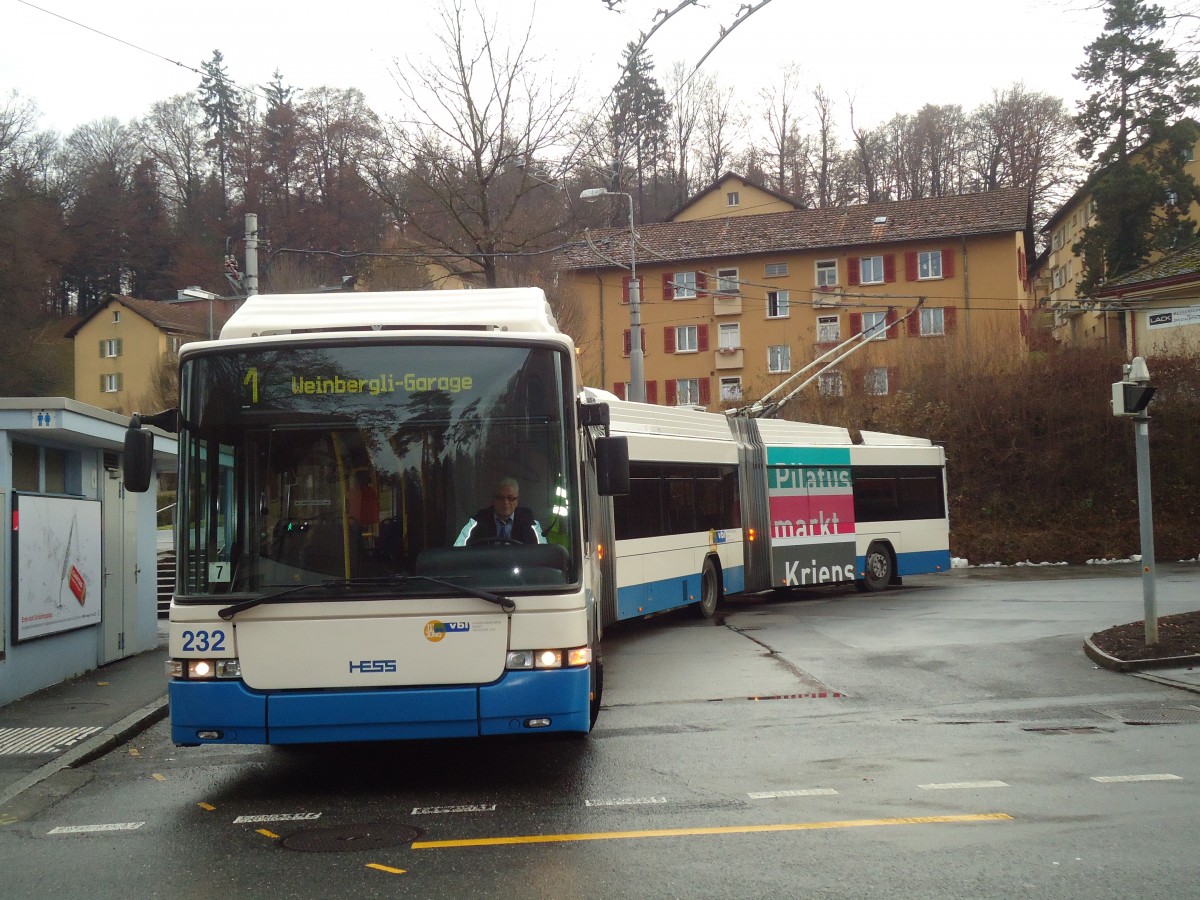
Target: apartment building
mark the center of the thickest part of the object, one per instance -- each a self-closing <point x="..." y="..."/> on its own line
<point x="738" y="291"/>
<point x="122" y="346"/>
<point x="1083" y="321"/>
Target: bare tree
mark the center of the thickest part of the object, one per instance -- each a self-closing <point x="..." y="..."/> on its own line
<point x="718" y="121"/>
<point x="783" y="131"/>
<point x="173" y="135"/>
<point x="475" y="112"/>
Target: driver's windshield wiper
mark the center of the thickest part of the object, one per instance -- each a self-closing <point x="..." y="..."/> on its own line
<point x="505" y="603"/>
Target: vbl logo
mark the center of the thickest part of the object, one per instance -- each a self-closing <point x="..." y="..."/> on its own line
<point x="369" y="666"/>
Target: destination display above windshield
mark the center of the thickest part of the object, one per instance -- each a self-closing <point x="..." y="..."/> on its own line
<point x="381" y="383"/>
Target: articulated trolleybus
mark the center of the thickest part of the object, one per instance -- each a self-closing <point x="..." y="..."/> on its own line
<point x="720" y="504"/>
<point x="332" y="448"/>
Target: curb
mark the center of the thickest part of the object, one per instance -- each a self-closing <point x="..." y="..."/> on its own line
<point x="93" y="748"/>
<point x="1098" y="656"/>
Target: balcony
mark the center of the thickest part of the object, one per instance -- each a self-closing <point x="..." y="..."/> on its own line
<point x="728" y="358"/>
<point x="727" y="304"/>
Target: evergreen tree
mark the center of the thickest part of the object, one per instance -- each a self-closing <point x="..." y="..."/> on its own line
<point x="1131" y="126"/>
<point x="640" y="115"/>
<point x="222" y="113"/>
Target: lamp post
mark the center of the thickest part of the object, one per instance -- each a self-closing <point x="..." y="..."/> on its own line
<point x="637" y="380"/>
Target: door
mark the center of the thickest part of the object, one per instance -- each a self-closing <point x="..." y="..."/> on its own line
<point x="119" y="600"/>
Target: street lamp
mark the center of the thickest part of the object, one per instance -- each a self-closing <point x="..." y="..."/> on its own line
<point x="637" y="380"/>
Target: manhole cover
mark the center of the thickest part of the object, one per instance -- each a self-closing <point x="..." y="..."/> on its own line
<point x="351" y="837"/>
<point x="1156" y="715"/>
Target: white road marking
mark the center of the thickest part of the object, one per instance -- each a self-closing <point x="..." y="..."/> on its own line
<point x="278" y="817"/>
<point x="1112" y="779"/>
<point x="436" y="810"/>
<point x="962" y="785"/>
<point x="87" y="829"/>
<point x="627" y="801"/>
<point x="807" y="792"/>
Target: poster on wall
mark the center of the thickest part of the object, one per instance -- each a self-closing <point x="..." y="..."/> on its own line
<point x="57" y="565"/>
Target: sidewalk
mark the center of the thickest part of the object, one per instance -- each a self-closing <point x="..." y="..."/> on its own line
<point x="72" y="723"/>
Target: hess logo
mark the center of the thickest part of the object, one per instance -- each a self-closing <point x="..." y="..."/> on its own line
<point x="370" y="666"/>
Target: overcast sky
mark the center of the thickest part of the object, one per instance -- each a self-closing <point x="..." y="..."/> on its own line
<point x="892" y="56"/>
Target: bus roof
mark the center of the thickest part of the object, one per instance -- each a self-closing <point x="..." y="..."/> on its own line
<point x="496" y="309"/>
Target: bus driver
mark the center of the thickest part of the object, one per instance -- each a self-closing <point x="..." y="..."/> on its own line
<point x="503" y="521"/>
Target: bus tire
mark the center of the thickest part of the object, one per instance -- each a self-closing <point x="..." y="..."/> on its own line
<point x="879" y="568"/>
<point x="597" y="688"/>
<point x="710" y="591"/>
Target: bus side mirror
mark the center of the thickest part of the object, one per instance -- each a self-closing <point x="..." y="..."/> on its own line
<point x="612" y="466"/>
<point x="138" y="462"/>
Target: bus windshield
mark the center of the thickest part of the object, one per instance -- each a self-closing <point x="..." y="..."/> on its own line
<point x="355" y="463"/>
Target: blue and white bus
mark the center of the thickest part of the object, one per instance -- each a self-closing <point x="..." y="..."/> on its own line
<point x="332" y="448"/>
<point x="720" y="504"/>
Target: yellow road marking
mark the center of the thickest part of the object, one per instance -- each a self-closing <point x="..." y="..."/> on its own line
<point x="207" y="806"/>
<point x="269" y="834"/>
<point x="133" y="751"/>
<point x="692" y="832"/>
<point x="158" y="777"/>
<point x="387" y="869"/>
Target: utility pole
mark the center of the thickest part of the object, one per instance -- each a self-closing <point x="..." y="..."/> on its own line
<point x="251" y="280"/>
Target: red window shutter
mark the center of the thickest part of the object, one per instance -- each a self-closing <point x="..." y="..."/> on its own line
<point x="889" y="267"/>
<point x="668" y="286"/>
<point x="852" y="270"/>
<point x="893" y="379"/>
<point x="701" y="337"/>
<point x="701" y="284"/>
<point x="891" y="319"/>
<point x="913" y="325"/>
<point x="947" y="262"/>
<point x="669" y="339"/>
<point x="651" y="391"/>
<point x="625" y="289"/>
<point x="672" y="392"/>
<point x="619" y="389"/>
<point x="855" y="320"/>
<point x="949" y="314"/>
<point x="910" y="266"/>
<point x="628" y="345"/>
<point x="1022" y="266"/>
<point x="705" y="392"/>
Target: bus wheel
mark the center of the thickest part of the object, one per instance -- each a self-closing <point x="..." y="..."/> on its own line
<point x="878" y="568"/>
<point x="710" y="591"/>
<point x="597" y="688"/>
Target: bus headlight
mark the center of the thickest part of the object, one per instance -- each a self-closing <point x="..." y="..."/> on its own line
<point x="548" y="659"/>
<point x="203" y="669"/>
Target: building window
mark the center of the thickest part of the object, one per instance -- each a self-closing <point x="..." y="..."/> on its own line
<point x="110" y="348"/>
<point x="870" y="270"/>
<point x="933" y="321"/>
<point x="116" y="316"/>
<point x="929" y="264"/>
<point x="779" y="358"/>
<point x="827" y="272"/>
<point x="875" y="381"/>
<point x="110" y="384"/>
<point x="727" y="281"/>
<point x="732" y="198"/>
<point x="829" y="329"/>
<point x="687" y="392"/>
<point x="685" y="285"/>
<point x="25" y="467"/>
<point x="1059" y="238"/>
<point x="731" y="389"/>
<point x="729" y="336"/>
<point x="830" y="384"/>
<point x="686" y="339"/>
<point x="1060" y="276"/>
<point x="777" y="304"/>
<point x="174" y="344"/>
<point x="874" y="325"/>
<point x="776" y="270"/>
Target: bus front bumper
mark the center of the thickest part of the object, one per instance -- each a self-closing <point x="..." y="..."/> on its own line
<point x="227" y="712"/>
